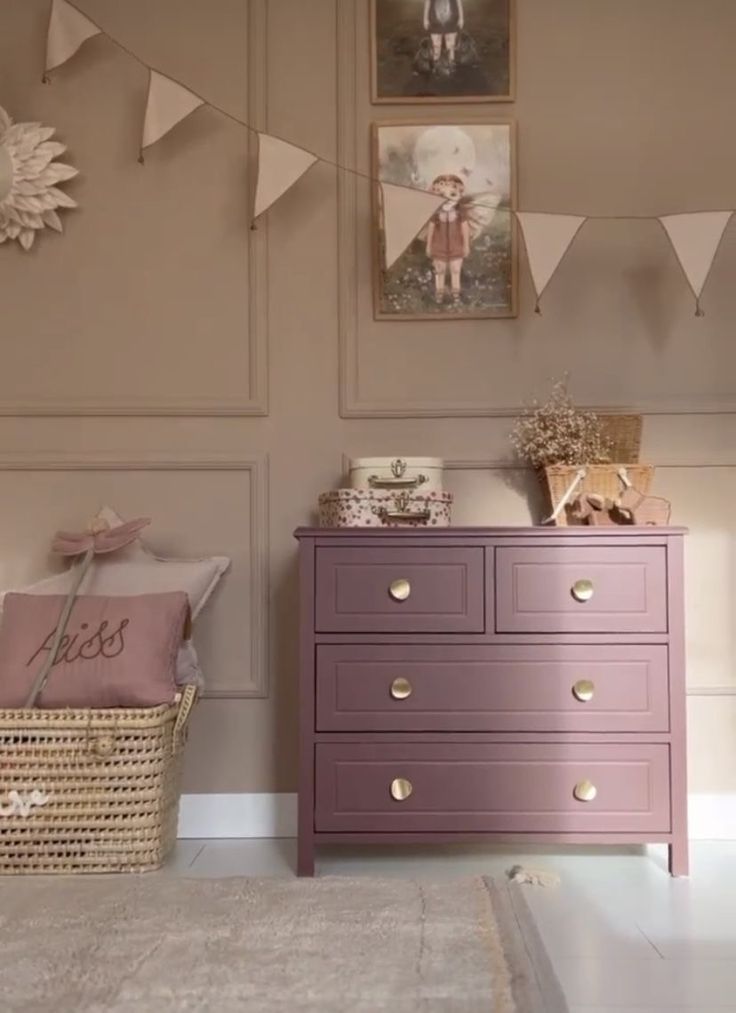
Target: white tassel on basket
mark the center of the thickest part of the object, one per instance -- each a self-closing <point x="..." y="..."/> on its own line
<point x="22" y="805"/>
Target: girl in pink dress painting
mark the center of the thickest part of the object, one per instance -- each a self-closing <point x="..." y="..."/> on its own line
<point x="448" y="237"/>
<point x="444" y="20"/>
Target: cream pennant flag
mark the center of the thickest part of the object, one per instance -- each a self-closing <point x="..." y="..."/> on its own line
<point x="68" y="29"/>
<point x="168" y="104"/>
<point x="405" y="213"/>
<point x="696" y="239"/>
<point x="280" y="165"/>
<point x="548" y="238"/>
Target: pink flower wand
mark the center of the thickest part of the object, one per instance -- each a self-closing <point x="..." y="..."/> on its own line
<point x="99" y="539"/>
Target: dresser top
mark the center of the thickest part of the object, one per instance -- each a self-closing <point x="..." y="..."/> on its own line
<point x="581" y="531"/>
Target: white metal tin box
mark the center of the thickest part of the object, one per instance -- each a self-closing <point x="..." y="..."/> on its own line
<point x="397" y="474"/>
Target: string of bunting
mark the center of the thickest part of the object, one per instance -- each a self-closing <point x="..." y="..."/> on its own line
<point x="695" y="237"/>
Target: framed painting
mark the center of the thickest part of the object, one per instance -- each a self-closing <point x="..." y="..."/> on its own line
<point x="464" y="262"/>
<point x="443" y="50"/>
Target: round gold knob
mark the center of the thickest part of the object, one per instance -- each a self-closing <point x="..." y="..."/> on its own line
<point x="401" y="689"/>
<point x="582" y="590"/>
<point x="401" y="789"/>
<point x="584" y="690"/>
<point x="585" y="791"/>
<point x="400" y="590"/>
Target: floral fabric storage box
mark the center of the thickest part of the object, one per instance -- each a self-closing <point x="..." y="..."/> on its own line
<point x="357" y="508"/>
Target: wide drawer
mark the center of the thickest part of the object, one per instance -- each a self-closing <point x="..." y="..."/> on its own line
<point x="553" y="688"/>
<point x="588" y="589"/>
<point x="509" y="787"/>
<point x="401" y="590"/>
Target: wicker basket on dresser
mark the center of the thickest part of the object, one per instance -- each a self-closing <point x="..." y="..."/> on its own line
<point x="494" y="684"/>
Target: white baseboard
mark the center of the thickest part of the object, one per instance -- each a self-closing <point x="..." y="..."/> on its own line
<point x="247" y="815"/>
<point x="712" y="817"/>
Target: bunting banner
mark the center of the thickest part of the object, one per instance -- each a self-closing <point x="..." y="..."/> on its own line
<point x="280" y="165"/>
<point x="696" y="239"/>
<point x="168" y="104"/>
<point x="68" y="29"/>
<point x="547" y="239"/>
<point x="405" y="213"/>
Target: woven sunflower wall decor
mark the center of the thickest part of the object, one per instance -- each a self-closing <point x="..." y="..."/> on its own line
<point x="29" y="178"/>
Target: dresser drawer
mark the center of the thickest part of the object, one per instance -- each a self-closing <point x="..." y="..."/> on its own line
<point x="559" y="688"/>
<point x="508" y="787"/>
<point x="585" y="589"/>
<point x="401" y="590"/>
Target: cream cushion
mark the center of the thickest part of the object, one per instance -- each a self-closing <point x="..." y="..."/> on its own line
<point x="136" y="570"/>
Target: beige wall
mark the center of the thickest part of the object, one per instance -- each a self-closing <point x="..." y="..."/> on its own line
<point x="202" y="367"/>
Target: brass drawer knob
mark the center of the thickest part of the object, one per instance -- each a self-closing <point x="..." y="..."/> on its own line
<point x="399" y="589"/>
<point x="401" y="689"/>
<point x="585" y="791"/>
<point x="582" y="590"/>
<point x="401" y="789"/>
<point x="584" y="690"/>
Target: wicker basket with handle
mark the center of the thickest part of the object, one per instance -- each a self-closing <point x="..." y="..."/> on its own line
<point x="564" y="482"/>
<point x="90" y="790"/>
<point x="623" y="433"/>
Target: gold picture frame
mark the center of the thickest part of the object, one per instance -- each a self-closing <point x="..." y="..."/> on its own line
<point x="489" y="275"/>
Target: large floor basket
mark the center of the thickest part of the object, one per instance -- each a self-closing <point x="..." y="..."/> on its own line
<point x="90" y="790"/>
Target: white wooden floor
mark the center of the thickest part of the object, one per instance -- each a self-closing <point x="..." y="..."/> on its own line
<point x="622" y="935"/>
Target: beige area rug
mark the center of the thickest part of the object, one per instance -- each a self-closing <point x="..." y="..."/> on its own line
<point x="160" y="944"/>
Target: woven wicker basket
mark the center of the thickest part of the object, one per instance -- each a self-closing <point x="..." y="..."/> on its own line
<point x="603" y="479"/>
<point x="624" y="433"/>
<point x="110" y="781"/>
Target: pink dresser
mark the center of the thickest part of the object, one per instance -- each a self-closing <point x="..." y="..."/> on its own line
<point x="506" y="684"/>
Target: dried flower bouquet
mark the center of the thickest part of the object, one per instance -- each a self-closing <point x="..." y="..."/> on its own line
<point x="559" y="433"/>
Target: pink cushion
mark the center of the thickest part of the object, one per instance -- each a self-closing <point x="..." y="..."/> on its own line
<point x="116" y="651"/>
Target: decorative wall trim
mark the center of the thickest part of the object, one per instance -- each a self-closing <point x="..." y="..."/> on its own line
<point x="489" y="464"/>
<point x="256" y="685"/>
<point x="712" y="817"/>
<point x="353" y="405"/>
<point x="256" y="400"/>
<point x="509" y="465"/>
<point x="711" y="691"/>
<point x="235" y="816"/>
<point x="347" y="196"/>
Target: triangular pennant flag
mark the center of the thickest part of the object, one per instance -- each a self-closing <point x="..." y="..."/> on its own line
<point x="168" y="104"/>
<point x="405" y="213"/>
<point x="68" y="29"/>
<point x="280" y="165"/>
<point x="695" y="239"/>
<point x="547" y="238"/>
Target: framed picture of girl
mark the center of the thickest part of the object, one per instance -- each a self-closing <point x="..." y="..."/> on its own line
<point x="463" y="264"/>
<point x="443" y="50"/>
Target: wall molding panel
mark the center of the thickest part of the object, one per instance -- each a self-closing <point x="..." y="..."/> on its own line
<point x="353" y="402"/>
<point x="255" y="401"/>
<point x="255" y="682"/>
<point x="246" y="815"/>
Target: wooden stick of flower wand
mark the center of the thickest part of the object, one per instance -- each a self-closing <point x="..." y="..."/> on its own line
<point x="41" y="679"/>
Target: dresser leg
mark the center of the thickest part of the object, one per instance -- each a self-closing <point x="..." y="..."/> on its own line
<point x="305" y="857"/>
<point x="678" y="862"/>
